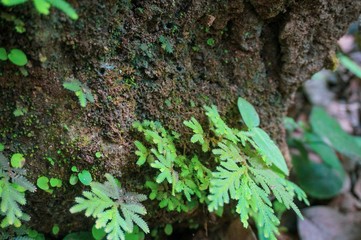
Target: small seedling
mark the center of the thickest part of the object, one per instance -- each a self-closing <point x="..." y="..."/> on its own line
<point x="166" y="45"/>
<point x="98" y="154"/>
<point x="17" y="160"/>
<point x="211" y="42"/>
<point x="85" y="177"/>
<point x="55" y="230"/>
<point x="81" y="90"/>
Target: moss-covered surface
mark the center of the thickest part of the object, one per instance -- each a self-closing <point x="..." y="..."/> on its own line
<point x="212" y="52"/>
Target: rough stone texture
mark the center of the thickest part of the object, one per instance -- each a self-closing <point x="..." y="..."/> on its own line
<point x="263" y="51"/>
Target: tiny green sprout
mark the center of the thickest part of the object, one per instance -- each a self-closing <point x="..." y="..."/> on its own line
<point x="2" y="147"/>
<point x="50" y="160"/>
<point x="98" y="154"/>
<point x="166" y="45"/>
<point x="74" y="169"/>
<point x="85" y="177"/>
<point x="20" y="111"/>
<point x="211" y="42"/>
<point x="81" y="90"/>
<point x="56" y="182"/>
<point x="3" y="54"/>
<point x="73" y="179"/>
<point x="43" y="183"/>
<point x="55" y="230"/>
<point x="168" y="229"/>
<point x="17" y="57"/>
<point x="98" y="234"/>
<point x="17" y="160"/>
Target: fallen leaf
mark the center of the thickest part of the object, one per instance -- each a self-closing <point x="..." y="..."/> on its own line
<point x="324" y="223"/>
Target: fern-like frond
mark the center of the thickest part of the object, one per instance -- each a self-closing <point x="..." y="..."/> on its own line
<point x="228" y="151"/>
<point x="11" y="199"/>
<point x="224" y="184"/>
<point x="199" y="135"/>
<point x="103" y="203"/>
<point x="13" y="185"/>
<point x="220" y="128"/>
<point x="24" y="182"/>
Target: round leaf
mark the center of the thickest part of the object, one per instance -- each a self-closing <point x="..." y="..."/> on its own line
<point x="98" y="234"/>
<point x="55" y="182"/>
<point x="18" y="57"/>
<point x="248" y="113"/>
<point x="85" y="177"/>
<point x="17" y="160"/>
<point x="168" y="230"/>
<point x="55" y="230"/>
<point x="43" y="183"/>
<point x="73" y="179"/>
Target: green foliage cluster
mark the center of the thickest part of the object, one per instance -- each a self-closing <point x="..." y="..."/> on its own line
<point x="181" y="181"/>
<point x="105" y="201"/>
<point x="43" y="6"/>
<point x="167" y="46"/>
<point x="323" y="137"/>
<point x="81" y="90"/>
<point x="13" y="185"/>
<point x="251" y="169"/>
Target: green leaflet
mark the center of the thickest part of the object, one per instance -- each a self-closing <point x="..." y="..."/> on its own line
<point x="331" y="132"/>
<point x="269" y="149"/>
<point x="43" y="6"/>
<point x="10" y="3"/>
<point x="249" y="114"/>
<point x="81" y="90"/>
<point x="350" y="64"/>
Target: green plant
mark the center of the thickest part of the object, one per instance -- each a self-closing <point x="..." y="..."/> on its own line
<point x="18" y="23"/>
<point x="251" y="169"/>
<point x="13" y="185"/>
<point x="166" y="44"/>
<point x="350" y="64"/>
<point x="81" y="90"/>
<point x="16" y="56"/>
<point x="85" y="177"/>
<point x="103" y="203"/>
<point x="181" y="181"/>
<point x="43" y="6"/>
<point x="321" y="138"/>
<point x="211" y="42"/>
<point x="73" y="177"/>
<point x="55" y="229"/>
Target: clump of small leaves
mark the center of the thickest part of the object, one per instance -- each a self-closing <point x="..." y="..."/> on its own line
<point x="167" y="46"/>
<point x="43" y="6"/>
<point x="251" y="169"/>
<point x="13" y="185"/>
<point x="104" y="202"/>
<point x="180" y="181"/>
<point x="81" y="90"/>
